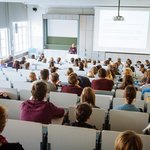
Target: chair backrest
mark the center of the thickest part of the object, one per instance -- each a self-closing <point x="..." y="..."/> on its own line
<point x="11" y="92"/>
<point x="63" y="99"/>
<point x="5" y="84"/>
<point x="102" y="92"/>
<point x="137" y="103"/>
<point x="148" y="107"/>
<point x="120" y="94"/>
<point x="71" y="138"/>
<point x="126" y="120"/>
<point x="13" y="107"/>
<point x="97" y="117"/>
<point x="25" y="94"/>
<point x="19" y="85"/>
<point x="103" y="101"/>
<point x="28" y="134"/>
<point x="110" y="136"/>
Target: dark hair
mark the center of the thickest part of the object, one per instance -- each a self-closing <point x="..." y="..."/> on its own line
<point x="130" y="93"/>
<point x="44" y="74"/>
<point x="53" y="69"/>
<point x="39" y="90"/>
<point x="83" y="112"/>
<point x="72" y="60"/>
<point x="102" y="73"/>
<point x="81" y="66"/>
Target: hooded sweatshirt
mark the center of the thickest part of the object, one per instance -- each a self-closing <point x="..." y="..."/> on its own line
<point x="40" y="111"/>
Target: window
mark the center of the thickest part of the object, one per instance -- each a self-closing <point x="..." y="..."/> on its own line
<point x="3" y="42"/>
<point x="20" y="36"/>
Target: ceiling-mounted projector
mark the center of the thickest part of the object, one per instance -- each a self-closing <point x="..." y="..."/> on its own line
<point x="118" y="18"/>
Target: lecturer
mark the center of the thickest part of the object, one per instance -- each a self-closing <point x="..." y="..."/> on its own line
<point x="73" y="49"/>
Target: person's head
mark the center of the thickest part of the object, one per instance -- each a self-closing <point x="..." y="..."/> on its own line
<point x="72" y="60"/>
<point x="23" y="60"/>
<point x="39" y="90"/>
<point x="32" y="76"/>
<point x="33" y="56"/>
<point x="102" y="73"/>
<point x="16" y="64"/>
<point x="83" y="112"/>
<point x="73" y="79"/>
<point x="51" y="59"/>
<point x="130" y="94"/>
<point x="51" y="64"/>
<point x="88" y="96"/>
<point x="27" y="65"/>
<point x="44" y="74"/>
<point x="94" y="70"/>
<point x="54" y="77"/>
<point x="53" y="69"/>
<point x="76" y="62"/>
<point x="3" y="118"/>
<point x="98" y="67"/>
<point x="73" y="45"/>
<point x="94" y="62"/>
<point x="69" y="71"/>
<point x="81" y="66"/>
<point x="58" y="60"/>
<point x="90" y="74"/>
<point x="128" y="140"/>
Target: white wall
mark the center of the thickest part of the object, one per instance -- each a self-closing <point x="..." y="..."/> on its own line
<point x="36" y="27"/>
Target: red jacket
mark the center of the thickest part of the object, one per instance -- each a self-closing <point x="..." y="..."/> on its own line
<point x="102" y="84"/>
<point x="71" y="89"/>
<point x="40" y="111"/>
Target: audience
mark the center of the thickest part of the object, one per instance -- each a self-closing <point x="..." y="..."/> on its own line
<point x="128" y="140"/>
<point x="37" y="109"/>
<point x="4" y="144"/>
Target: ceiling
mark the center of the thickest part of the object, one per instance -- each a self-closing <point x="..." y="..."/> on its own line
<point x="82" y="3"/>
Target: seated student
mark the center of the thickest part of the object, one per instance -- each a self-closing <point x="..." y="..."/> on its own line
<point x="128" y="140"/>
<point x="81" y="66"/>
<point x="69" y="71"/>
<point x="73" y="86"/>
<point x="55" y="79"/>
<point x="27" y="66"/>
<point x="146" y="87"/>
<point x="10" y="61"/>
<point x="32" y="77"/>
<point x="130" y="95"/>
<point x="83" y="113"/>
<point x="102" y="83"/>
<point x="4" y="144"/>
<point x="88" y="96"/>
<point x="37" y="109"/>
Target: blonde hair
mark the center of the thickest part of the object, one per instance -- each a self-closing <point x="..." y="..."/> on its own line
<point x="128" y="140"/>
<point x="88" y="96"/>
<point x="109" y="75"/>
<point x="127" y="71"/>
<point x="3" y="118"/>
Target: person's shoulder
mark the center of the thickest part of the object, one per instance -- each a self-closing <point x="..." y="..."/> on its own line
<point x="12" y="146"/>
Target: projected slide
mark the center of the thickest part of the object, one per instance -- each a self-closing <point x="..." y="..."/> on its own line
<point x="129" y="36"/>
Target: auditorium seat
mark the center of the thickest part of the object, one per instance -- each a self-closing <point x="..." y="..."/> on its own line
<point x="70" y="138"/>
<point x="120" y="120"/>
